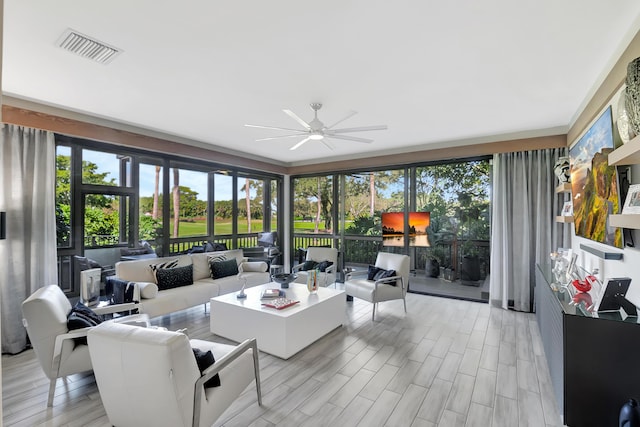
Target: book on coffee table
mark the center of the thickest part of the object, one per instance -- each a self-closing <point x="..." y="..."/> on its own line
<point x="280" y="303"/>
<point x="272" y="293"/>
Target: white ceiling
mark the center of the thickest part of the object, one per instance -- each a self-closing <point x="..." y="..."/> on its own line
<point x="436" y="73"/>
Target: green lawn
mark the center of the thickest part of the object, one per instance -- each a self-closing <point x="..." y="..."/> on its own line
<point x="199" y="227"/>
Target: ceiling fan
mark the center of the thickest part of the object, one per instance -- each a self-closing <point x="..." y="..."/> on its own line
<point x="315" y="130"/>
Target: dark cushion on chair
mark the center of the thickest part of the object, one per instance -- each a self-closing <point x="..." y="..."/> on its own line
<point x="80" y="317"/>
<point x="324" y="265"/>
<point x="376" y="273"/>
<point x="204" y="359"/>
<point x="174" y="277"/>
<point x="309" y="265"/>
<point x="225" y="268"/>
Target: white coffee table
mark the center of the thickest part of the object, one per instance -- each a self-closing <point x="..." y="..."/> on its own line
<point x="281" y="333"/>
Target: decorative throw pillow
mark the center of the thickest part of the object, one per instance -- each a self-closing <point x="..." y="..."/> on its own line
<point x="216" y="258"/>
<point x="148" y="290"/>
<point x="309" y="265"/>
<point x="174" y="277"/>
<point x="324" y="265"/>
<point x="121" y="291"/>
<point x="383" y="274"/>
<point x="221" y="269"/>
<point x="166" y="264"/>
<point x="372" y="272"/>
<point x="204" y="359"/>
<point x="80" y="317"/>
<point x="377" y="273"/>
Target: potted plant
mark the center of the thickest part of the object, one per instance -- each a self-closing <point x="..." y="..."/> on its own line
<point x="470" y="268"/>
<point x="435" y="258"/>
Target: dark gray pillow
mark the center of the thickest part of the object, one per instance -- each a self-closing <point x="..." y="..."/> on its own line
<point x="80" y="317"/>
<point x="174" y="277"/>
<point x="221" y="269"/>
<point x="324" y="265"/>
<point x="204" y="359"/>
<point x="377" y="273"/>
<point x="309" y="265"/>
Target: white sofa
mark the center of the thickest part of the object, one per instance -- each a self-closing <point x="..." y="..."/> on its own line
<point x="203" y="288"/>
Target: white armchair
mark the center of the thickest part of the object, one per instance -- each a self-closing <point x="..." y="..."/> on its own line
<point x="384" y="289"/>
<point x="319" y="254"/>
<point x="45" y="317"/>
<point x="150" y="376"/>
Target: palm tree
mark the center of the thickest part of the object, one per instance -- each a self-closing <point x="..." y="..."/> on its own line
<point x="176" y="201"/>
<point x="154" y="212"/>
<point x="247" y="187"/>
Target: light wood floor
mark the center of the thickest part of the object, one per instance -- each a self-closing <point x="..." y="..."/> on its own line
<point x="445" y="363"/>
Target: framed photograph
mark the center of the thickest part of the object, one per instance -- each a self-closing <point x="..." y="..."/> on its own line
<point x="567" y="209"/>
<point x="632" y="203"/>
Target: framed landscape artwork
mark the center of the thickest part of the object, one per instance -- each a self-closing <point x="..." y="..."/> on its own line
<point x="594" y="184"/>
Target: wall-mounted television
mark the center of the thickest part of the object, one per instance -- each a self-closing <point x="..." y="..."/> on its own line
<point x="393" y="228"/>
<point x="594" y="184"/>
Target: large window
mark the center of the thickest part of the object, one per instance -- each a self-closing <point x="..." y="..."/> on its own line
<point x="63" y="196"/>
<point x="457" y="195"/>
<point x="109" y="197"/>
<point x="188" y="207"/>
<point x="313" y="205"/>
<point x="367" y="195"/>
<point x="150" y="201"/>
<point x="250" y="205"/>
<point x="223" y="203"/>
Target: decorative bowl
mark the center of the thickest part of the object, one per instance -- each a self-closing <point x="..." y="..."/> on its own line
<point x="284" y="279"/>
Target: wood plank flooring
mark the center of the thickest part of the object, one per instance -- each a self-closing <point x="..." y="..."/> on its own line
<point x="445" y="363"/>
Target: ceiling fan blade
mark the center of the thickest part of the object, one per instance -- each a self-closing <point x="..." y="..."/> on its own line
<point x="349" y="114"/>
<point x="273" y="127"/>
<point x="299" y="144"/>
<point x="282" y="136"/>
<point x="360" y="129"/>
<point x="295" y="117"/>
<point x="349" y="138"/>
<point x="327" y="144"/>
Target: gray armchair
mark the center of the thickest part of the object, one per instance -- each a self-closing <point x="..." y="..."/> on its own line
<point x="385" y="289"/>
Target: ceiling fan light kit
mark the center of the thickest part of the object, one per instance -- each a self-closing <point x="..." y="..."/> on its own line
<point x="315" y="130"/>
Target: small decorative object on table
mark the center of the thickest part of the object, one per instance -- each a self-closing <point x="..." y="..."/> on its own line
<point x="284" y="279"/>
<point x="241" y="294"/>
<point x="272" y="294"/>
<point x="280" y="303"/>
<point x="312" y="281"/>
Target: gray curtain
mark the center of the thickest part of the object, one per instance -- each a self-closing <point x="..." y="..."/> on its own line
<point x="27" y="194"/>
<point x="523" y="227"/>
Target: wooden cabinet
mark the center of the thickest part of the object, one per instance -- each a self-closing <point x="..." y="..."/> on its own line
<point x="593" y="361"/>
<point x="627" y="154"/>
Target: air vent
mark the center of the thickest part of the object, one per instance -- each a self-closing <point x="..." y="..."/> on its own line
<point x="87" y="47"/>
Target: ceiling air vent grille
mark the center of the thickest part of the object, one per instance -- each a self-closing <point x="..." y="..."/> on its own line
<point x="87" y="47"/>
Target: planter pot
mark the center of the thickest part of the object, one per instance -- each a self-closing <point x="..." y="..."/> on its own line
<point x="433" y="268"/>
<point x="470" y="269"/>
